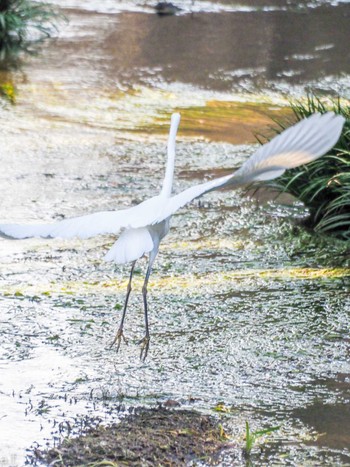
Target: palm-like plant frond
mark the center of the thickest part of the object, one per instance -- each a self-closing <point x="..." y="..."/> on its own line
<point x="19" y="19"/>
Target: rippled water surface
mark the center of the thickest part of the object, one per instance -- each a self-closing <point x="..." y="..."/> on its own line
<point x="245" y="308"/>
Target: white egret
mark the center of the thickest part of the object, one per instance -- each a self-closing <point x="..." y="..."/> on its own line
<point x="146" y="224"/>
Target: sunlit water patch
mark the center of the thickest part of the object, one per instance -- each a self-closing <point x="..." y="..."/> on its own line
<point x="233" y="318"/>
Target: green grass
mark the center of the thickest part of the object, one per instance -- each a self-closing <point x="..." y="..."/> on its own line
<point x="19" y="19"/>
<point x="323" y="185"/>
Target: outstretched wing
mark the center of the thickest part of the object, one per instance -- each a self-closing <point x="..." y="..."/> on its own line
<point x="105" y="222"/>
<point x="300" y="144"/>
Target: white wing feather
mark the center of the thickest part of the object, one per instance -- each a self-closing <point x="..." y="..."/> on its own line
<point x="105" y="222"/>
<point x="302" y="143"/>
<point x="83" y="227"/>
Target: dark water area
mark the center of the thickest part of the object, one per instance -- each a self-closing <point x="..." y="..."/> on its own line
<point x="247" y="309"/>
<point x="232" y="52"/>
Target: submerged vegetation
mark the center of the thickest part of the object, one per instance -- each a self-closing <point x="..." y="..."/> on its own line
<point x="323" y="185"/>
<point x="21" y="23"/>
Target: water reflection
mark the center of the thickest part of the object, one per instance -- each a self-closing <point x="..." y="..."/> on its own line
<point x="223" y="51"/>
<point x="331" y="420"/>
<point x="232" y="51"/>
<point x="119" y="71"/>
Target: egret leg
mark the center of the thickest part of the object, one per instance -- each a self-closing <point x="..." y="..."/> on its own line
<point x="145" y="341"/>
<point x="120" y="334"/>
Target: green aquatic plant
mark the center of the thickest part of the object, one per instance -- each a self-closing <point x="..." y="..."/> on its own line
<point x="252" y="436"/>
<point x="21" y="21"/>
<point x="324" y="184"/>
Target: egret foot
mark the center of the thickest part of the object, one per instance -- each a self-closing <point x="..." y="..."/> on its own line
<point x="144" y="347"/>
<point x="118" y="338"/>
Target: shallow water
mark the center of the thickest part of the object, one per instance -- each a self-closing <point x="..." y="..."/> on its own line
<point x="243" y="310"/>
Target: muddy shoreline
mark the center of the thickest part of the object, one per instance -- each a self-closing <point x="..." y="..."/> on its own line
<point x="147" y="437"/>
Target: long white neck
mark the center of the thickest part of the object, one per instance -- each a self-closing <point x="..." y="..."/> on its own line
<point x="169" y="172"/>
